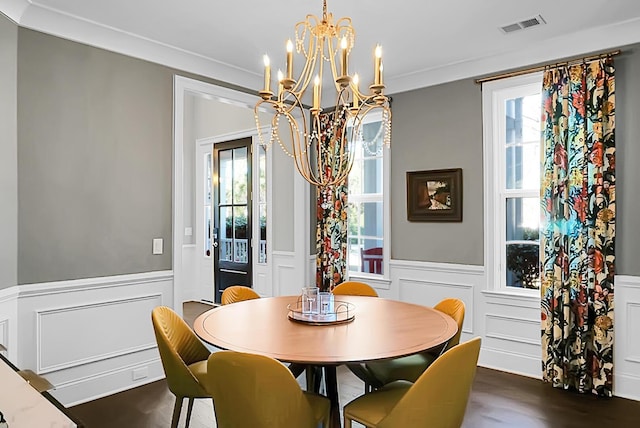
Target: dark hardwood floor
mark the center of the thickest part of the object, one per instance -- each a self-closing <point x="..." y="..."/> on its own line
<point x="498" y="399"/>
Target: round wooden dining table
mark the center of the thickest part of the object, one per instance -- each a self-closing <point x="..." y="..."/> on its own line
<point x="380" y="329"/>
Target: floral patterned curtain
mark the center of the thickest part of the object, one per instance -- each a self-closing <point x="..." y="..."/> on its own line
<point x="578" y="232"/>
<point x="331" y="232"/>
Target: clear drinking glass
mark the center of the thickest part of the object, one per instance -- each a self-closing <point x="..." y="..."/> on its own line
<point x="326" y="302"/>
<point x="310" y="300"/>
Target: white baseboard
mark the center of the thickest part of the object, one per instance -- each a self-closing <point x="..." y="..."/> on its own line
<point x="511" y="362"/>
<point x="93" y="387"/>
<point x="626" y="385"/>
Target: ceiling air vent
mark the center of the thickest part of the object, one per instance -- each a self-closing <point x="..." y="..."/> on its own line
<point x="527" y="23"/>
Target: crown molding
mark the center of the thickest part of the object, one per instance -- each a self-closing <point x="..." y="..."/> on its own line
<point x="14" y="9"/>
<point x="56" y="23"/>
<point x="577" y="44"/>
<point x="37" y="17"/>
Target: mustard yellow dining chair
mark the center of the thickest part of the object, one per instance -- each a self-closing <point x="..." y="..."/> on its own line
<point x="259" y="392"/>
<point x="410" y="368"/>
<point x="184" y="359"/>
<point x="354" y="288"/>
<point x="237" y="293"/>
<point x="438" y="399"/>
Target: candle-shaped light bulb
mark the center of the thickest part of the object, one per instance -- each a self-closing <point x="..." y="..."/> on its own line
<point x="343" y="46"/>
<point x="267" y="73"/>
<point x="289" y="59"/>
<point x="356" y="81"/>
<point x="316" y="93"/>
<point x="280" y="77"/>
<point x="377" y="65"/>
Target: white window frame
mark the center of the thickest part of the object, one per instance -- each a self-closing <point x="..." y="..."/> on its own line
<point x="494" y="95"/>
<point x="386" y="213"/>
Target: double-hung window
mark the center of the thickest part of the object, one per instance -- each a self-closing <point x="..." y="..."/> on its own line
<point x="511" y="116"/>
<point x="368" y="213"/>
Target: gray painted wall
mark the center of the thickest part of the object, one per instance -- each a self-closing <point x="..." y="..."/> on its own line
<point x="435" y="128"/>
<point x="94" y="161"/>
<point x="627" y="159"/>
<point x="8" y="154"/>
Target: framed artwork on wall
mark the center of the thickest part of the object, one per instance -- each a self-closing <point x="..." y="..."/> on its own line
<point x="434" y="195"/>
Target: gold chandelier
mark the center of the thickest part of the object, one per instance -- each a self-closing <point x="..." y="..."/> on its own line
<point x="323" y="155"/>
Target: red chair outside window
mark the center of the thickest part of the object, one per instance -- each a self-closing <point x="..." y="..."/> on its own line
<point x="371" y="260"/>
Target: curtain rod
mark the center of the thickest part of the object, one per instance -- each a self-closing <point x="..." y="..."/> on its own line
<point x="544" y="67"/>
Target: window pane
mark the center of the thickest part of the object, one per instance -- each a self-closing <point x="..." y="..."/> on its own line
<point x="372" y="175"/>
<point x="241" y="243"/>
<point x="226" y="234"/>
<point x="262" y="160"/>
<point x="262" y="256"/>
<point x="207" y="178"/>
<point x="522" y="142"/>
<point x="365" y="219"/>
<point x="207" y="205"/>
<point x="240" y="175"/>
<point x="207" y="231"/>
<point x="226" y="176"/>
<point x="522" y="245"/>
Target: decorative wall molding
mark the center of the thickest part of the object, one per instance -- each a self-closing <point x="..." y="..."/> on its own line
<point x="626" y="281"/>
<point x="510" y="322"/>
<point x="51" y="21"/>
<point x="626" y="325"/>
<point x="632" y="345"/>
<point x="9" y="321"/>
<point x="88" y="335"/>
<point x="4" y="334"/>
<point x="511" y="299"/>
<point x="91" y="314"/>
<point x="30" y="14"/>
<point x="439" y="267"/>
<point x="9" y="294"/>
<point x="85" y="284"/>
<point x="74" y="392"/>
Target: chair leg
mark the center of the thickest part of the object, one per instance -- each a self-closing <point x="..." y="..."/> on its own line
<point x="347" y="422"/>
<point x="296" y="369"/>
<point x="189" y="409"/>
<point x="176" y="412"/>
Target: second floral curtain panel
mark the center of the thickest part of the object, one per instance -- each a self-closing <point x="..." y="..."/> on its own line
<point x="577" y="237"/>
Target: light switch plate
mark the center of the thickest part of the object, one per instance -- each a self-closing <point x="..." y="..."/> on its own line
<point x="188" y="231"/>
<point x="157" y="246"/>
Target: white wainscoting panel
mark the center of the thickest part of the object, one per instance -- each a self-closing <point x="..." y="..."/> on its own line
<point x="289" y="275"/>
<point x="94" y="326"/>
<point x="428" y="283"/>
<point x="9" y="322"/>
<point x="626" y="353"/>
<point x="429" y="293"/>
<point x="261" y="285"/>
<point x="4" y="334"/>
<point x="191" y="287"/>
<point x="88" y="336"/>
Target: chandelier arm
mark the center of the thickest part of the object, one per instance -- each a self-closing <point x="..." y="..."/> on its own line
<point x="332" y="62"/>
<point x="310" y="64"/>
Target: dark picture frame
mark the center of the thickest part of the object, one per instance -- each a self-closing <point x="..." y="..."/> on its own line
<point x="434" y="195"/>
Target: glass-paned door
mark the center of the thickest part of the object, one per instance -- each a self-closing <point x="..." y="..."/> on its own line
<point x="232" y="214"/>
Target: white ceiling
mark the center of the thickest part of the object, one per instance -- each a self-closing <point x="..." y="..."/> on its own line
<point x="424" y="42"/>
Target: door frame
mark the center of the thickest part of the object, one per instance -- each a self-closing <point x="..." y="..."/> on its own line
<point x="260" y="273"/>
<point x="182" y="86"/>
